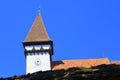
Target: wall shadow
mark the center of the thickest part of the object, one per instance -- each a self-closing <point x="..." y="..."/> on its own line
<point x="56" y="63"/>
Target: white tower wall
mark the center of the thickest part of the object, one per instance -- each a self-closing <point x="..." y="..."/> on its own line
<point x="43" y="64"/>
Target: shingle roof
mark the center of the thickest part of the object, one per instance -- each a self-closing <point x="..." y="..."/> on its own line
<point x="64" y="64"/>
<point x="37" y="32"/>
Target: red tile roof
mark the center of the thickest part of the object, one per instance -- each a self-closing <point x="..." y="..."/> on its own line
<point x="64" y="64"/>
<point x="116" y="62"/>
<point x="37" y="32"/>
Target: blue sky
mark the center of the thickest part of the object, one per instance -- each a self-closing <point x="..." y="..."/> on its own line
<point x="80" y="29"/>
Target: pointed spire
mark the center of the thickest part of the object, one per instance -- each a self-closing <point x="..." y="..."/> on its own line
<point x="37" y="32"/>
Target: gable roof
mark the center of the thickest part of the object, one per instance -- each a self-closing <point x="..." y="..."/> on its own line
<point x="37" y="32"/>
<point x="64" y="64"/>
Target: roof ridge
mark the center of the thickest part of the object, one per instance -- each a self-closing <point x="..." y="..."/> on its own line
<point x="82" y="59"/>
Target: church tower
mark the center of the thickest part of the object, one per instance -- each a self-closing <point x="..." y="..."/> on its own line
<point x="38" y="48"/>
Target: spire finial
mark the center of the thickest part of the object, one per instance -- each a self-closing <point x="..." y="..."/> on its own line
<point x="39" y="9"/>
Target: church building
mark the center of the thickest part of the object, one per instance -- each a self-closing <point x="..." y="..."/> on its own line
<point x="38" y="50"/>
